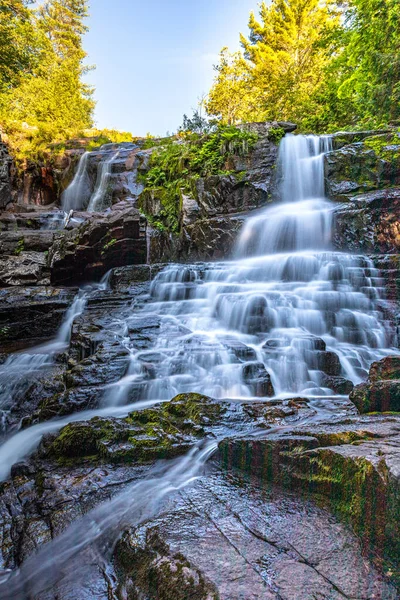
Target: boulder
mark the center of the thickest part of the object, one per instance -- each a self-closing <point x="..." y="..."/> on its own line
<point x="379" y="396"/>
<point x="387" y="368"/>
<point x="98" y="245"/>
<point x="162" y="432"/>
<point x="353" y="465"/>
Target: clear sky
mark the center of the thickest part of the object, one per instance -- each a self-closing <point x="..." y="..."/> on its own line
<point x="154" y="58"/>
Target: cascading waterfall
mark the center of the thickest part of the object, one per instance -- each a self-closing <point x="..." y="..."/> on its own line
<point x="78" y="193"/>
<point x="103" y="178"/>
<point x="287" y="305"/>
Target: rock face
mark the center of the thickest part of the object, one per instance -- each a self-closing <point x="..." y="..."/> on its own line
<point x="382" y="392"/>
<point x="364" y="175"/>
<point x="211" y="218"/>
<point x="6" y="172"/>
<point x="89" y="251"/>
<point x="354" y="466"/>
<point x="223" y="539"/>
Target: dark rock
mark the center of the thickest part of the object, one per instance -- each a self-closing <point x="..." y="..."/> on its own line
<point x="369" y="222"/>
<point x="371" y="164"/>
<point x="27" y="268"/>
<point x="225" y="539"/>
<point x="339" y="385"/>
<point x="6" y="176"/>
<point x="387" y="368"/>
<point x="32" y="313"/>
<point x="97" y="246"/>
<point x="256" y="377"/>
<point x="354" y="466"/>
<point x="380" y="396"/>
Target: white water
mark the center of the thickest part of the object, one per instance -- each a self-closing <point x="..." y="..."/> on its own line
<point x="103" y="179"/>
<point x="285" y="296"/>
<point x="77" y="194"/>
<point x="101" y="527"/>
<point x="21" y="367"/>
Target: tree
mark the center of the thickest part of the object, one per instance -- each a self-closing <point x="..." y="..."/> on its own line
<point x="282" y="68"/>
<point x="20" y="47"/>
<point x="233" y="96"/>
<point x="368" y="70"/>
<point x="52" y="103"/>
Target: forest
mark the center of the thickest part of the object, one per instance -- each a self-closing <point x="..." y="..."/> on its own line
<point x="325" y="65"/>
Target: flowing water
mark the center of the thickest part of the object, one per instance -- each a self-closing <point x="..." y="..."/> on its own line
<point x="96" y="202"/>
<point x="78" y="193"/>
<point x="287" y="307"/>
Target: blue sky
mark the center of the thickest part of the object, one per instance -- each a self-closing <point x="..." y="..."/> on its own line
<point x="155" y="58"/>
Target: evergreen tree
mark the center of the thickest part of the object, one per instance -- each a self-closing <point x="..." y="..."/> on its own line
<point x="52" y="103"/>
<point x="284" y="61"/>
<point x="20" y="47"/>
<point x="368" y="70"/>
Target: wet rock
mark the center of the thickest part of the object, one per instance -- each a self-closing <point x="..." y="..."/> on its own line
<point x="31" y="314"/>
<point x="328" y="362"/>
<point x="369" y="222"/>
<point x="371" y="164"/>
<point x="387" y="368"/>
<point x="161" y="432"/>
<point x="258" y="379"/>
<point x="125" y="277"/>
<point x="98" y="245"/>
<point x="239" y="543"/>
<point x="27" y="268"/>
<point x="339" y="385"/>
<point x="14" y="242"/>
<point x="354" y="466"/>
<point x="380" y="396"/>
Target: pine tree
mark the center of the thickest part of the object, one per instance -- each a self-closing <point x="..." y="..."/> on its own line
<point x="20" y="47"/>
<point x="368" y="70"/>
<point x="283" y="63"/>
<point x="53" y="102"/>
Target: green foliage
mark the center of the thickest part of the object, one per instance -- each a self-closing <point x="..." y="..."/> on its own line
<point x="43" y="98"/>
<point x="275" y="134"/>
<point x="20" y="247"/>
<point x="324" y="64"/>
<point x="177" y="164"/>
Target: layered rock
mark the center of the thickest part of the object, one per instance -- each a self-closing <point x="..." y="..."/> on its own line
<point x="364" y="175"/>
<point x="6" y="175"/>
<point x="99" y="244"/>
<point x="353" y="465"/>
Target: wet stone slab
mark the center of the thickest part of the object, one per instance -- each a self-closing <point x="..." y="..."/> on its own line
<point x="221" y="539"/>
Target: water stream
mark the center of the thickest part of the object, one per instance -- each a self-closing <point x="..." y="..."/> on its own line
<point x="287" y="308"/>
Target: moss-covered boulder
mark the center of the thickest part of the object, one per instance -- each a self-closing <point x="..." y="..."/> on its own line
<point x="353" y="467"/>
<point x="380" y="396"/>
<point x="164" y="431"/>
<point x="387" y="368"/>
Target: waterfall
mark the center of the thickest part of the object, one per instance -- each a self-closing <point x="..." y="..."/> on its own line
<point x="288" y="310"/>
<point x="303" y="221"/>
<point x="77" y="195"/>
<point x="103" y="179"/>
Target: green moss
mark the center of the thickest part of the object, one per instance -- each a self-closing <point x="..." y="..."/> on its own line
<point x="275" y="134"/>
<point x="20" y="247"/>
<point x="161" y="432"/>
<point x="109" y="244"/>
<point x="177" y="164"/>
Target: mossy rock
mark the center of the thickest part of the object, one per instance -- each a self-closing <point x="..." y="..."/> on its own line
<point x="161" y="432"/>
<point x="379" y="396"/>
